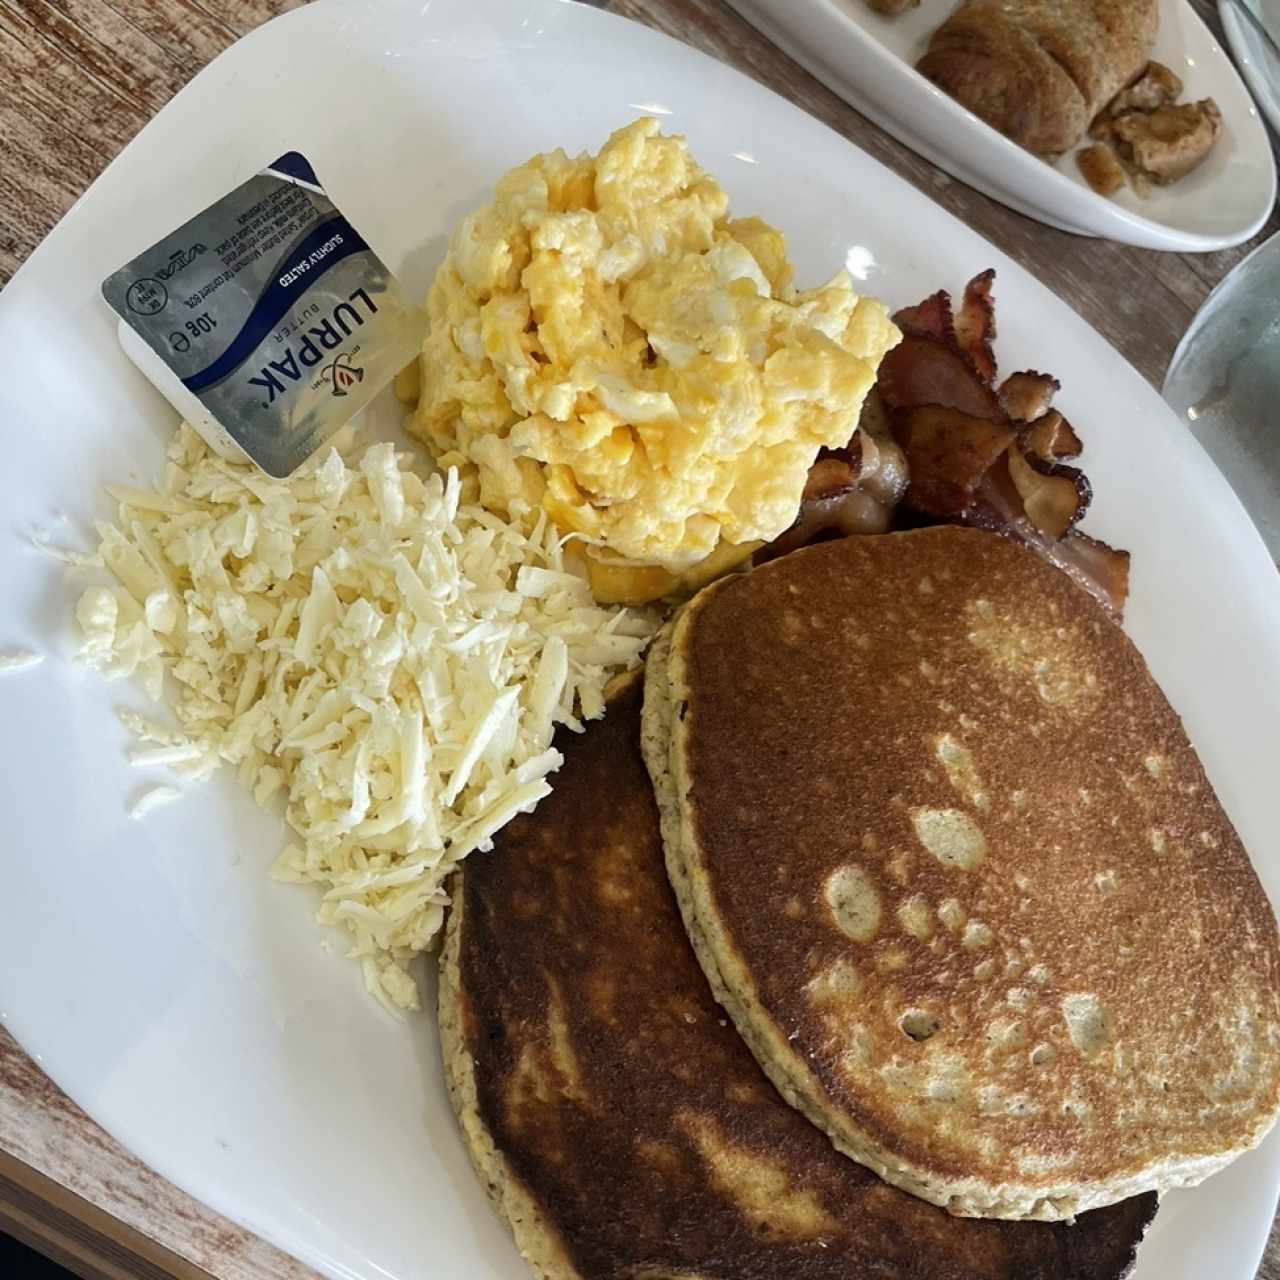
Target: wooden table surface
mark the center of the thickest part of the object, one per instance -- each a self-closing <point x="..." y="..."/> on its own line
<point x="80" y="78"/>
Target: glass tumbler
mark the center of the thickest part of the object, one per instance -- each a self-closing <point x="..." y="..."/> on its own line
<point x="1224" y="381"/>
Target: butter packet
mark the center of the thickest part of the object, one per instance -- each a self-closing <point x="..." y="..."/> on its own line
<point x="267" y="321"/>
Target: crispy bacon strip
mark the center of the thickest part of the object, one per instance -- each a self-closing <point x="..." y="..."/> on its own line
<point x="838" y="515"/>
<point x="931" y="319"/>
<point x="1100" y="570"/>
<point x="1028" y="395"/>
<point x="828" y="477"/>
<point x="926" y="371"/>
<point x="1052" y="437"/>
<point x="976" y="324"/>
<point x="974" y="454"/>
<point x="1054" y="495"/>
<point x="948" y="453"/>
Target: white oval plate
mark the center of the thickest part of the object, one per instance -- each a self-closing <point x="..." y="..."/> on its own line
<point x="178" y="995"/>
<point x="1259" y="63"/>
<point x="869" y="60"/>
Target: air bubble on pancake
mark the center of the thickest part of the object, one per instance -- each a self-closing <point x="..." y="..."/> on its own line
<point x="1042" y="1055"/>
<point x="985" y="971"/>
<point x="835" y="984"/>
<point x="1039" y="973"/>
<point x="951" y="836"/>
<point x="858" y="1054"/>
<point x="914" y="917"/>
<point x="1208" y="839"/>
<point x="943" y="1090"/>
<point x="854" y="901"/>
<point x="891" y="961"/>
<point x="1088" y="1023"/>
<point x="899" y="866"/>
<point x="928" y="670"/>
<point x="947" y="1079"/>
<point x="976" y="934"/>
<point x="1154" y="765"/>
<point x="952" y="914"/>
<point x="1019" y="801"/>
<point x="1017" y="997"/>
<point x="925" y="586"/>
<point x="962" y="772"/>
<point x="919" y="1024"/>
<point x="1105" y="882"/>
<point x="1006" y="1033"/>
<point x="1156" y="836"/>
<point x="991" y="1099"/>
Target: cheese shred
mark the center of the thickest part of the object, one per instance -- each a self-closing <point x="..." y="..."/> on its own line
<point x="390" y="659"/>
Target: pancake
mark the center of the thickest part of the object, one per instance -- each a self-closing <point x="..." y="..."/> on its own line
<point x="951" y="864"/>
<point x="620" y="1124"/>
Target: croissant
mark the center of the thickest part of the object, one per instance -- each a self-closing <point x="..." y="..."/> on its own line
<point x="1040" y="70"/>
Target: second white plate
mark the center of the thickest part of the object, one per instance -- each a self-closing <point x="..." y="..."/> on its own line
<point x="1259" y="63"/>
<point x="870" y="61"/>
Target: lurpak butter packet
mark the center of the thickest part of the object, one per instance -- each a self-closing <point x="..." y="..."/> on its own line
<point x="267" y="321"/>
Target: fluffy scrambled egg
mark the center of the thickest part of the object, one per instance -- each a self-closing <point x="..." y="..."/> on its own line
<point x="607" y="344"/>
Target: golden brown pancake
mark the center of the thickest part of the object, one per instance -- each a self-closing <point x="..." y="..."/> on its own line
<point x="956" y="872"/>
<point x="620" y="1124"/>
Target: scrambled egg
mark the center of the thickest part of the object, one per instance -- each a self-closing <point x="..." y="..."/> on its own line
<point x="607" y="345"/>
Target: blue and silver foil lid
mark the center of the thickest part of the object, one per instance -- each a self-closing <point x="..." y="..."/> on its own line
<point x="267" y="320"/>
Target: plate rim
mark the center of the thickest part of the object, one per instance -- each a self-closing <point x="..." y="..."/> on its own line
<point x="273" y="1231"/>
<point x="1243" y="44"/>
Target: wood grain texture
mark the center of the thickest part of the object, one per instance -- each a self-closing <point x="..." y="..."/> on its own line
<point x="77" y="1234"/>
<point x="79" y="78"/>
<point x="70" y="1190"/>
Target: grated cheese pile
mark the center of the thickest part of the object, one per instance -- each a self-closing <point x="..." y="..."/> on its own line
<point x="391" y="661"/>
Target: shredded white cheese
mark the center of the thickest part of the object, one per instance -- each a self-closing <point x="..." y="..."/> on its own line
<point x="392" y="662"/>
<point x="19" y="660"/>
<point x="152" y="798"/>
